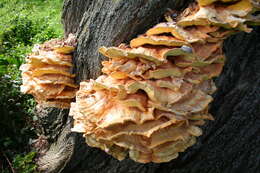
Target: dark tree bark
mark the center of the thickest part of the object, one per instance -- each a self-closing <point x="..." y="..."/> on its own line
<point x="230" y="144"/>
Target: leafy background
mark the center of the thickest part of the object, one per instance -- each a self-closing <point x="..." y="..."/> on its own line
<point x="23" y="23"/>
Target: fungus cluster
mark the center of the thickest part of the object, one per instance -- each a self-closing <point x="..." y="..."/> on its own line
<point x="155" y="92"/>
<point x="47" y="74"/>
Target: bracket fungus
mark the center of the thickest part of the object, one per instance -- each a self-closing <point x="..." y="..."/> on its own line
<point x="155" y="93"/>
<point x="47" y="73"/>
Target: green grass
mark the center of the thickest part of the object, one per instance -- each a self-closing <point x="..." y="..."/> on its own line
<point x="23" y="23"/>
<point x="34" y="9"/>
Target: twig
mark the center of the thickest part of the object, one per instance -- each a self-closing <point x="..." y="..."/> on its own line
<point x="10" y="164"/>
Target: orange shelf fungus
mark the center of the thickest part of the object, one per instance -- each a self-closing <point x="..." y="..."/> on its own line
<point x="229" y="16"/>
<point x="47" y="74"/>
<point x="155" y="93"/>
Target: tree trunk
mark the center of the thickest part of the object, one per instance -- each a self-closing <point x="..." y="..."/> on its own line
<point x="229" y="144"/>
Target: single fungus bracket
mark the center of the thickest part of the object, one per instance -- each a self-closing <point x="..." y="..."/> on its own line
<point x="155" y="93"/>
<point x="47" y="73"/>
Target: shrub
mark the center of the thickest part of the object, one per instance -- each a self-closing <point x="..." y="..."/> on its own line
<point x="17" y="40"/>
<point x="24" y="163"/>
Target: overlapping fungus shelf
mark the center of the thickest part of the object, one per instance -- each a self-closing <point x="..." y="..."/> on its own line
<point x="155" y="93"/>
<point x="47" y="74"/>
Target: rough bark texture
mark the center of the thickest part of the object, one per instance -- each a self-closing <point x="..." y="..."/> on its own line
<point x="230" y="144"/>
